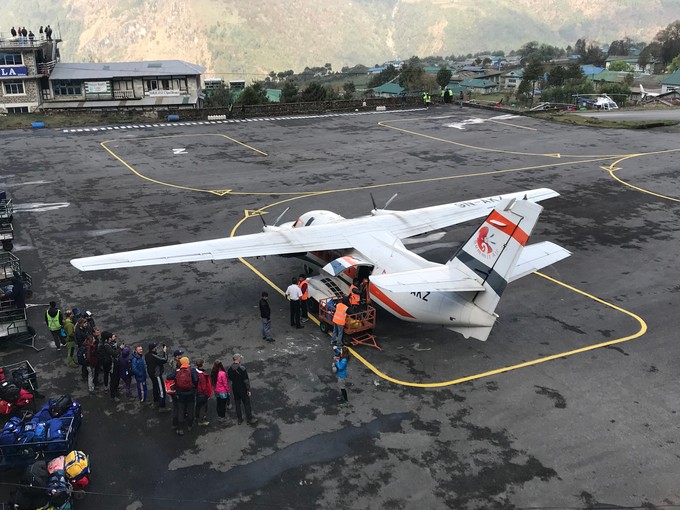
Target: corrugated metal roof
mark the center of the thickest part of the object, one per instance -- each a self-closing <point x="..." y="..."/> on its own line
<point x="673" y="79"/>
<point x="107" y="70"/>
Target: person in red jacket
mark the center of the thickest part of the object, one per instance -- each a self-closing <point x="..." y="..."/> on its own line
<point x="203" y="393"/>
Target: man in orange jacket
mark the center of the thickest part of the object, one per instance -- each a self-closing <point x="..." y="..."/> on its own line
<point x="339" y="319"/>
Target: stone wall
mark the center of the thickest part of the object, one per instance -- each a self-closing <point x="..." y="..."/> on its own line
<point x="251" y="111"/>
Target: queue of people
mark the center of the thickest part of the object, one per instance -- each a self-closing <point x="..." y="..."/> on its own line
<point x="109" y="364"/>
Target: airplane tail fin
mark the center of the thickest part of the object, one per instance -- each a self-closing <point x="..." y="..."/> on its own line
<point x="493" y="251"/>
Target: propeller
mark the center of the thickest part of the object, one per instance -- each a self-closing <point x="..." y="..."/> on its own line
<point x="375" y="207"/>
<point x="281" y="216"/>
<point x="390" y="200"/>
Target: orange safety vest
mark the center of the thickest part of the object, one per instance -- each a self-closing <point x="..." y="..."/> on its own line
<point x="353" y="297"/>
<point x="340" y="315"/>
<point x="304" y="291"/>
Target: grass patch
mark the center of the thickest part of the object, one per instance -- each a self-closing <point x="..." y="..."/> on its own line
<point x="582" y="120"/>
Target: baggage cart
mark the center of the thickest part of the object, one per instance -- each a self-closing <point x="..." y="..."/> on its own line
<point x="7" y="236"/>
<point x="14" y="326"/>
<point x="6" y="208"/>
<point x="15" y="456"/>
<point x="358" y="325"/>
<point x="9" y="264"/>
<point x="23" y="375"/>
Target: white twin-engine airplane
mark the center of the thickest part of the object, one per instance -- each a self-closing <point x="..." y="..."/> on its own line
<point x="461" y="295"/>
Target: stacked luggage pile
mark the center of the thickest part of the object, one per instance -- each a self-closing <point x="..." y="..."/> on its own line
<point x="41" y="442"/>
<point x="18" y="387"/>
<point x="49" y="432"/>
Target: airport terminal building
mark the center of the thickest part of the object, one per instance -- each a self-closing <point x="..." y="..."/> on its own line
<point x="159" y="83"/>
<point x="33" y="78"/>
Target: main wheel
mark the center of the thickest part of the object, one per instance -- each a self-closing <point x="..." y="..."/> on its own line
<point x="7" y="245"/>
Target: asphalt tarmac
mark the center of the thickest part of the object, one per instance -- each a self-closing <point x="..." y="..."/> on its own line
<point x="571" y="403"/>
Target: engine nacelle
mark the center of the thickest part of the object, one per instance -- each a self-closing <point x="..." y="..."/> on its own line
<point x="319" y="217"/>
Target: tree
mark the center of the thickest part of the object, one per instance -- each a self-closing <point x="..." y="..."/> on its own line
<point x="219" y="97"/>
<point x="386" y="75"/>
<point x="349" y="89"/>
<point x="411" y="75"/>
<point x="620" y="47"/>
<point x="650" y="52"/>
<point x="253" y="94"/>
<point x="556" y="77"/>
<point x="574" y="73"/>
<point x="444" y="76"/>
<point x="313" y="92"/>
<point x="674" y="65"/>
<point x="669" y="38"/>
<point x="524" y="91"/>
<point x="619" y="65"/>
<point x="290" y="92"/>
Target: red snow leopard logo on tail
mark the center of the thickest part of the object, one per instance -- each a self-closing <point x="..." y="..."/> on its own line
<point x="484" y="242"/>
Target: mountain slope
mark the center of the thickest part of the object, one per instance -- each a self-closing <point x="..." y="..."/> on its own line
<point x="249" y="39"/>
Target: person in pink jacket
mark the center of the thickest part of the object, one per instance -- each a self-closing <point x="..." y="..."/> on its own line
<point x="218" y="378"/>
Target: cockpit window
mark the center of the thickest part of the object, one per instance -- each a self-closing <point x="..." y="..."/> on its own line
<point x="309" y="221"/>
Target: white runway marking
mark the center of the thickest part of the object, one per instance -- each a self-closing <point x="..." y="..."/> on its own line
<point x="39" y="207"/>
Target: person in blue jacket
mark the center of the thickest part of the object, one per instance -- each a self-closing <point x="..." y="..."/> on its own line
<point x="139" y="371"/>
<point x="340" y="363"/>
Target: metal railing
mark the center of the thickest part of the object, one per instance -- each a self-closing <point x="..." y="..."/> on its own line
<point x="45" y="68"/>
<point x="7" y="40"/>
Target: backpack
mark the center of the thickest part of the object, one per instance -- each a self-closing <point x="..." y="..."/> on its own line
<point x="81" y="355"/>
<point x="103" y="357"/>
<point x="76" y="465"/>
<point x="204" y="387"/>
<point x="9" y="392"/>
<point x="183" y="380"/>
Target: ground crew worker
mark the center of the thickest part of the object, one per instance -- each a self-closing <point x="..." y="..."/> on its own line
<point x="55" y="321"/>
<point x="449" y="95"/>
<point x="443" y="95"/>
<point x="304" y="286"/>
<point x="428" y="99"/>
<point x="364" y="293"/>
<point x="339" y="319"/>
<point x="354" y="296"/>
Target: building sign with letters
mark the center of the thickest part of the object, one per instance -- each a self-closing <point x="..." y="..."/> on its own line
<point x="14" y="71"/>
<point x="97" y="87"/>
<point x="158" y="93"/>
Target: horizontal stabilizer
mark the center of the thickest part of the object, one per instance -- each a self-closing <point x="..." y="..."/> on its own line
<point x="477" y="332"/>
<point x="431" y="279"/>
<point x="535" y="257"/>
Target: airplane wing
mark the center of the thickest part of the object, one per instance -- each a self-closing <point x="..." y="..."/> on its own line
<point x="384" y="225"/>
<point x="537" y="256"/>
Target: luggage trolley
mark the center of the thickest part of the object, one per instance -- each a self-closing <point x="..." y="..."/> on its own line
<point x="23" y="375"/>
<point x="22" y="454"/>
<point x="6" y="216"/>
<point x="9" y="264"/>
<point x="358" y="326"/>
<point x="14" y="327"/>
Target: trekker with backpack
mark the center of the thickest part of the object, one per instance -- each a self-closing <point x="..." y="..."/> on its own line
<point x="139" y="371"/>
<point x="203" y="393"/>
<point x="186" y="382"/>
<point x="125" y="369"/>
